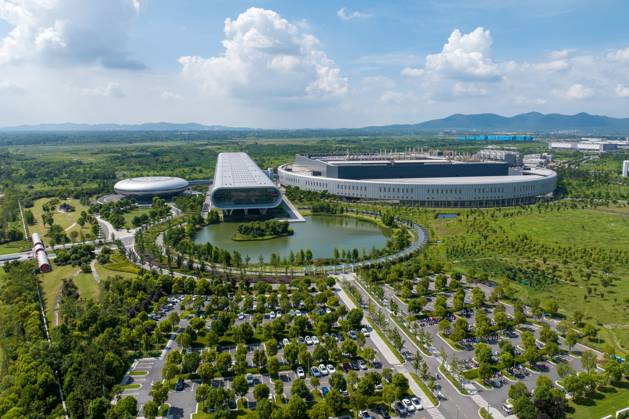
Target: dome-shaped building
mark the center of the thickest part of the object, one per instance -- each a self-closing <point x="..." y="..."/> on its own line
<point x="149" y="186"/>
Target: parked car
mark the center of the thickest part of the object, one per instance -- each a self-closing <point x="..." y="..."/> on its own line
<point x="323" y="369"/>
<point x="362" y="365"/>
<point x="399" y="408"/>
<point x="315" y="372"/>
<point x="408" y="405"/>
<point x="365" y="332"/>
<point x="315" y="340"/>
<point x="308" y="340"/>
<point x="364" y="415"/>
<point x="382" y="411"/>
<point x="352" y="334"/>
<point x="507" y="407"/>
<point x="300" y="372"/>
<point x="180" y="385"/>
<point x="331" y="369"/>
<point x="249" y="378"/>
<point x="417" y="404"/>
<point x="285" y="341"/>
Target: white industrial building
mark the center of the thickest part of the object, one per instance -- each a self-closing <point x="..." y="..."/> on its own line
<point x="426" y="182"/>
<point x="239" y="184"/>
<point x="625" y="168"/>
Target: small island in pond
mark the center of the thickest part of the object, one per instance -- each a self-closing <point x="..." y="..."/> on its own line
<point x="262" y="230"/>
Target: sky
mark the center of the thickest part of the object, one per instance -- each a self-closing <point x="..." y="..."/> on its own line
<point x="308" y="64"/>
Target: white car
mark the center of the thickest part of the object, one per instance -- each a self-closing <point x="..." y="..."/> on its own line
<point x="308" y="340"/>
<point x="362" y="364"/>
<point x="315" y="372"/>
<point x="417" y="404"/>
<point x="272" y="315"/>
<point x="365" y="332"/>
<point x="278" y="313"/>
<point x="241" y="316"/>
<point x="285" y="341"/>
<point x="300" y="372"/>
<point x="315" y="340"/>
<point x="408" y="405"/>
<point x="331" y="369"/>
<point x="323" y="369"/>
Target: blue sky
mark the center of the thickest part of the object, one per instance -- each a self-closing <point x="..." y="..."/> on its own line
<point x="308" y="64"/>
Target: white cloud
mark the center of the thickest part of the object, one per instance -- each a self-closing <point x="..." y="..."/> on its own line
<point x="346" y="15"/>
<point x="111" y="89"/>
<point x="68" y="32"/>
<point x="413" y="72"/>
<point x="461" y="89"/>
<point x="621" y="90"/>
<point x="575" y="92"/>
<point x="465" y="57"/>
<point x="168" y="95"/>
<point x="619" y="55"/>
<point x="552" y="66"/>
<point x="10" y="88"/>
<point x="267" y="57"/>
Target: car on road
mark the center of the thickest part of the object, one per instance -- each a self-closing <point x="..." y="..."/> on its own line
<point x="408" y="405"/>
<point x="331" y="369"/>
<point x="300" y="372"/>
<point x="249" y="378"/>
<point x="315" y="372"/>
<point x="417" y="404"/>
<point x="180" y="385"/>
<point x="323" y="369"/>
<point x="399" y="408"/>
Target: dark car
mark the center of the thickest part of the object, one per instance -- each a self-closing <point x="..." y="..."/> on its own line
<point x="180" y="385"/>
<point x="382" y="411"/>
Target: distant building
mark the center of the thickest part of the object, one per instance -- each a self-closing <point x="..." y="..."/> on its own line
<point x="625" y="168"/>
<point x="537" y="160"/>
<point x="507" y="156"/>
<point x="496" y="137"/>
<point x="150" y="186"/>
<point x="585" y="146"/>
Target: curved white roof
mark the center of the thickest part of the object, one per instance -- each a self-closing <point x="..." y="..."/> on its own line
<point x="151" y="185"/>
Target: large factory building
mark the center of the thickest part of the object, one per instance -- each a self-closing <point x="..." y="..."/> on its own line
<point x="421" y="180"/>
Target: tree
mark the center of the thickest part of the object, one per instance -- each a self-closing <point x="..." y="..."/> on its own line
<point x="400" y="382"/>
<point x="296" y="408"/>
<point x="337" y="381"/>
<point x="355" y="317"/>
<point x="588" y="361"/>
<point x="335" y="401"/>
<point x="485" y="371"/>
<point x="613" y="371"/>
<point x="240" y="385"/>
<point x="571" y="339"/>
<point x="261" y="391"/>
<point x="264" y="409"/>
<point x="319" y="411"/>
<point x="203" y="392"/>
<point x="127" y="407"/>
<point x="273" y="366"/>
<point x="159" y="392"/>
<point x="299" y="389"/>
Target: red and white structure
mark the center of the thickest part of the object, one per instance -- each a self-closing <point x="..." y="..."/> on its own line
<point x="39" y="253"/>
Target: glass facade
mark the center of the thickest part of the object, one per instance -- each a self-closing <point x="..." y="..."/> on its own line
<point x="245" y="197"/>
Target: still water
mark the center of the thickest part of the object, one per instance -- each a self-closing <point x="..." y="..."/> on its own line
<point x="320" y="233"/>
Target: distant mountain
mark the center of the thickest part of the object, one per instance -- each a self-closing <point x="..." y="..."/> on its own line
<point x="581" y="123"/>
<point x="532" y="122"/>
<point x="150" y="126"/>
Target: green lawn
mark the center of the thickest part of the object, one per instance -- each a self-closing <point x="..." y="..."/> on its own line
<point x="128" y="216"/>
<point x="597" y="227"/>
<point x="119" y="263"/>
<point x="14" y="247"/>
<point x="66" y="220"/>
<point x="603" y="404"/>
<point x="51" y="284"/>
<point x="88" y="288"/>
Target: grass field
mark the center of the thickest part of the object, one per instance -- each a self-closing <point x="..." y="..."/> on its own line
<point x="88" y="288"/>
<point x="134" y="213"/>
<point x="106" y="273"/>
<point x="51" y="284"/>
<point x="593" y="228"/>
<point x="66" y="220"/>
<point x="596" y="227"/>
<point x="14" y="247"/>
<point x="603" y="404"/>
